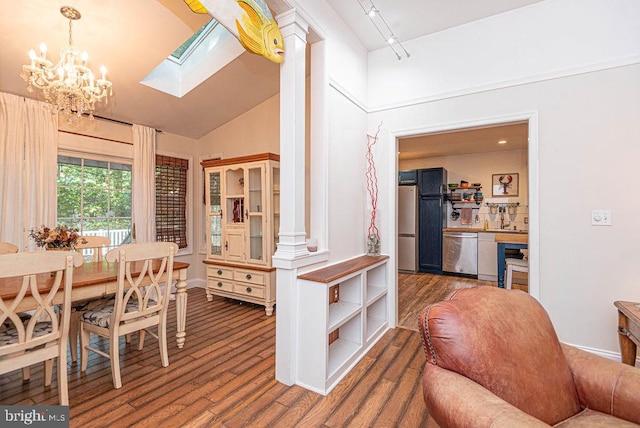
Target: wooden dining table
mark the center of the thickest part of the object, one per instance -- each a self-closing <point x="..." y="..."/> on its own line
<point x="100" y="279"/>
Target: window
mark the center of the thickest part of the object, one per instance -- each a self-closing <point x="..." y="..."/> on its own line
<point x="171" y="199"/>
<point x="94" y="196"/>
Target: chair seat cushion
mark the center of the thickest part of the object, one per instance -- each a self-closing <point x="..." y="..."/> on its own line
<point x="593" y="419"/>
<point x="9" y="334"/>
<point x="100" y="315"/>
<point x="517" y="262"/>
<point x="86" y="305"/>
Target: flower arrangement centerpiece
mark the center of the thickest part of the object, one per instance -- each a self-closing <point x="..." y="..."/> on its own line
<point x="61" y="237"/>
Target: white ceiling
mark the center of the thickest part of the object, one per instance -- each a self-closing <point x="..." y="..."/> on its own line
<point x="132" y="37"/>
<point x="465" y="141"/>
<point x="410" y="19"/>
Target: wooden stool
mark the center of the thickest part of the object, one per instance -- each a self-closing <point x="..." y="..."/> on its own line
<point x="517" y="265"/>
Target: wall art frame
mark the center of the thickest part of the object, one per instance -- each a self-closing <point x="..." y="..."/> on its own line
<point x="505" y="184"/>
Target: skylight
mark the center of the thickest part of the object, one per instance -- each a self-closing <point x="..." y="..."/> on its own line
<point x="208" y="50"/>
<point x="185" y="49"/>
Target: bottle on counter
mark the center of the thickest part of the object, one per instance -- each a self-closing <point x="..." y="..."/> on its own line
<point x="486" y="224"/>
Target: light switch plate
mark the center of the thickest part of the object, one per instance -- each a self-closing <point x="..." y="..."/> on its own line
<point x="601" y="218"/>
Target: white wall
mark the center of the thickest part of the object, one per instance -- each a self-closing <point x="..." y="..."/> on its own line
<point x="584" y="129"/>
<point x="255" y="131"/>
<point x="348" y="213"/>
<point x="544" y="40"/>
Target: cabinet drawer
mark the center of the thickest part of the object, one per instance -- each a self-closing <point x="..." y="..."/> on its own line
<point x="217" y="284"/>
<point x="219" y="272"/>
<point x="249" y="290"/>
<point x="249" y="276"/>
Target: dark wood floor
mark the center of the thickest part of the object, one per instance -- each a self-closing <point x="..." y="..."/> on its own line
<point x="225" y="375"/>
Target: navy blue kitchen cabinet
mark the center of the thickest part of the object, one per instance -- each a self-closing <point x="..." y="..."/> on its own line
<point x="431" y="218"/>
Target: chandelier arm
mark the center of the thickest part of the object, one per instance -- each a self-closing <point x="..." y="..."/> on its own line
<point x="70" y="32"/>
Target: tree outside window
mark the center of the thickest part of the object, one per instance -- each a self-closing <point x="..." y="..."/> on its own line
<point x="94" y="196"/>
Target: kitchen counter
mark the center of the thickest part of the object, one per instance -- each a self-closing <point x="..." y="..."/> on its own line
<point x="479" y="230"/>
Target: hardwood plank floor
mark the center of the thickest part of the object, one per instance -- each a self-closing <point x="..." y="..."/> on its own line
<point x="225" y="374"/>
<point x="415" y="291"/>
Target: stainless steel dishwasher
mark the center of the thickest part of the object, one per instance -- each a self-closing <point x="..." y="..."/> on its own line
<point x="460" y="252"/>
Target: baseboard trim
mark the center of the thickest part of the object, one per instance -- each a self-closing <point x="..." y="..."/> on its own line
<point x="196" y="283"/>
<point x="615" y="356"/>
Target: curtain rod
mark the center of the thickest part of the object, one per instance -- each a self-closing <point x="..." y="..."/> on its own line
<point x="93" y="136"/>
<point x="117" y="121"/>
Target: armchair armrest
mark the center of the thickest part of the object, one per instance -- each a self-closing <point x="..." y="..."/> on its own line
<point x="604" y="385"/>
<point x="456" y="401"/>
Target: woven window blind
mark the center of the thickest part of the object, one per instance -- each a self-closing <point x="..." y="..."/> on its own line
<point x="171" y="200"/>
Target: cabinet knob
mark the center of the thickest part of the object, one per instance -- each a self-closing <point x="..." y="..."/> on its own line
<point x="219" y="271"/>
<point x="248" y="289"/>
<point x="219" y="284"/>
<point x="248" y="276"/>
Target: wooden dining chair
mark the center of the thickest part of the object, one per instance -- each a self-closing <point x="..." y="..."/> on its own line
<point x="95" y="243"/>
<point x="140" y="302"/>
<point x="39" y="335"/>
<point x="516" y="265"/>
<point x="8" y="248"/>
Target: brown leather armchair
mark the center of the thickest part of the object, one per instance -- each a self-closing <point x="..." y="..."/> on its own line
<point x="494" y="359"/>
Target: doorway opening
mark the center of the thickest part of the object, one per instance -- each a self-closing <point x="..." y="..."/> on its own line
<point x="477" y="153"/>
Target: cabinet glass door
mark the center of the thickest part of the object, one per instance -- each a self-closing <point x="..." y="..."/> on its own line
<point x="255" y="177"/>
<point x="215" y="214"/>
<point x="234" y="195"/>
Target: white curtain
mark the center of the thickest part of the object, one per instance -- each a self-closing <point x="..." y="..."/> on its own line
<point x="28" y="165"/>
<point x="144" y="183"/>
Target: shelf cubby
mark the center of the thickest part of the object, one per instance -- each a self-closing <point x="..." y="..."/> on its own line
<point x="343" y="312"/>
<point x="377" y="316"/>
<point x="346" y="344"/>
<point x="376" y="283"/>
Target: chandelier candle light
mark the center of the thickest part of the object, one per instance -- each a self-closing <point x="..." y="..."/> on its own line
<point x="69" y="85"/>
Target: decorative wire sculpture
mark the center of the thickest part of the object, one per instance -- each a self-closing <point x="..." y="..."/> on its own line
<point x="373" y="234"/>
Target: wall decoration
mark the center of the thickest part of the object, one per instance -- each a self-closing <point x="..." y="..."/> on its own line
<point x="250" y="21"/>
<point x="505" y="184"/>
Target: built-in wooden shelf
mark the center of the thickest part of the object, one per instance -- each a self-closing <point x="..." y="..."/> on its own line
<point x="343" y="311"/>
<point x="333" y="272"/>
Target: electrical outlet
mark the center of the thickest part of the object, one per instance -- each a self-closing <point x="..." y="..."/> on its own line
<point x="601" y="217"/>
<point x="526" y="220"/>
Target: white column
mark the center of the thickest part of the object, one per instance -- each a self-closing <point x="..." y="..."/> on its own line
<point x="291" y="245"/>
<point x="292" y="137"/>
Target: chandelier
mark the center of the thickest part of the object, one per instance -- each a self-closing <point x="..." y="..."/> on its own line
<point x="69" y="85"/>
